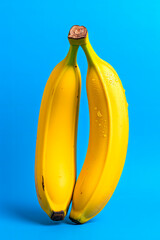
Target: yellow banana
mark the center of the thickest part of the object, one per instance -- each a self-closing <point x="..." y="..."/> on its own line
<point x="108" y="137"/>
<point x="55" y="166"/>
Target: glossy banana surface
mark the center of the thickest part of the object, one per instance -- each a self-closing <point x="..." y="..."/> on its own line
<point x="108" y="138"/>
<point x="55" y="164"/>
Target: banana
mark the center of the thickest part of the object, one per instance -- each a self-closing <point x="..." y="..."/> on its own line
<point x="108" y="138"/>
<point x="55" y="160"/>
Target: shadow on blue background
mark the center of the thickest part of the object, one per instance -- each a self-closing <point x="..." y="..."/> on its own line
<point x="33" y="39"/>
<point x="26" y="213"/>
<point x="32" y="214"/>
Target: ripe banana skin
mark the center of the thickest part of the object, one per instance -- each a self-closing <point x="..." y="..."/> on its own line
<point x="108" y="138"/>
<point x="55" y="166"/>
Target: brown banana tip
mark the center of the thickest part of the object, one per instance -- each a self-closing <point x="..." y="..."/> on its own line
<point x="57" y="216"/>
<point x="77" y="32"/>
<point x="75" y="221"/>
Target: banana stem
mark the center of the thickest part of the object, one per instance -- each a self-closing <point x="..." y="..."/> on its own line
<point x="72" y="55"/>
<point x="78" y="36"/>
<point x="90" y="53"/>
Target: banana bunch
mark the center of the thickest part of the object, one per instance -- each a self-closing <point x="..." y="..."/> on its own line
<point x="55" y="163"/>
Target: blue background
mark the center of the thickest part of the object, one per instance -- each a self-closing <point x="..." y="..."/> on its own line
<point x="33" y="39"/>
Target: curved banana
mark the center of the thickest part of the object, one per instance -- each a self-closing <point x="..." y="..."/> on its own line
<point x="55" y="166"/>
<point x="108" y="138"/>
